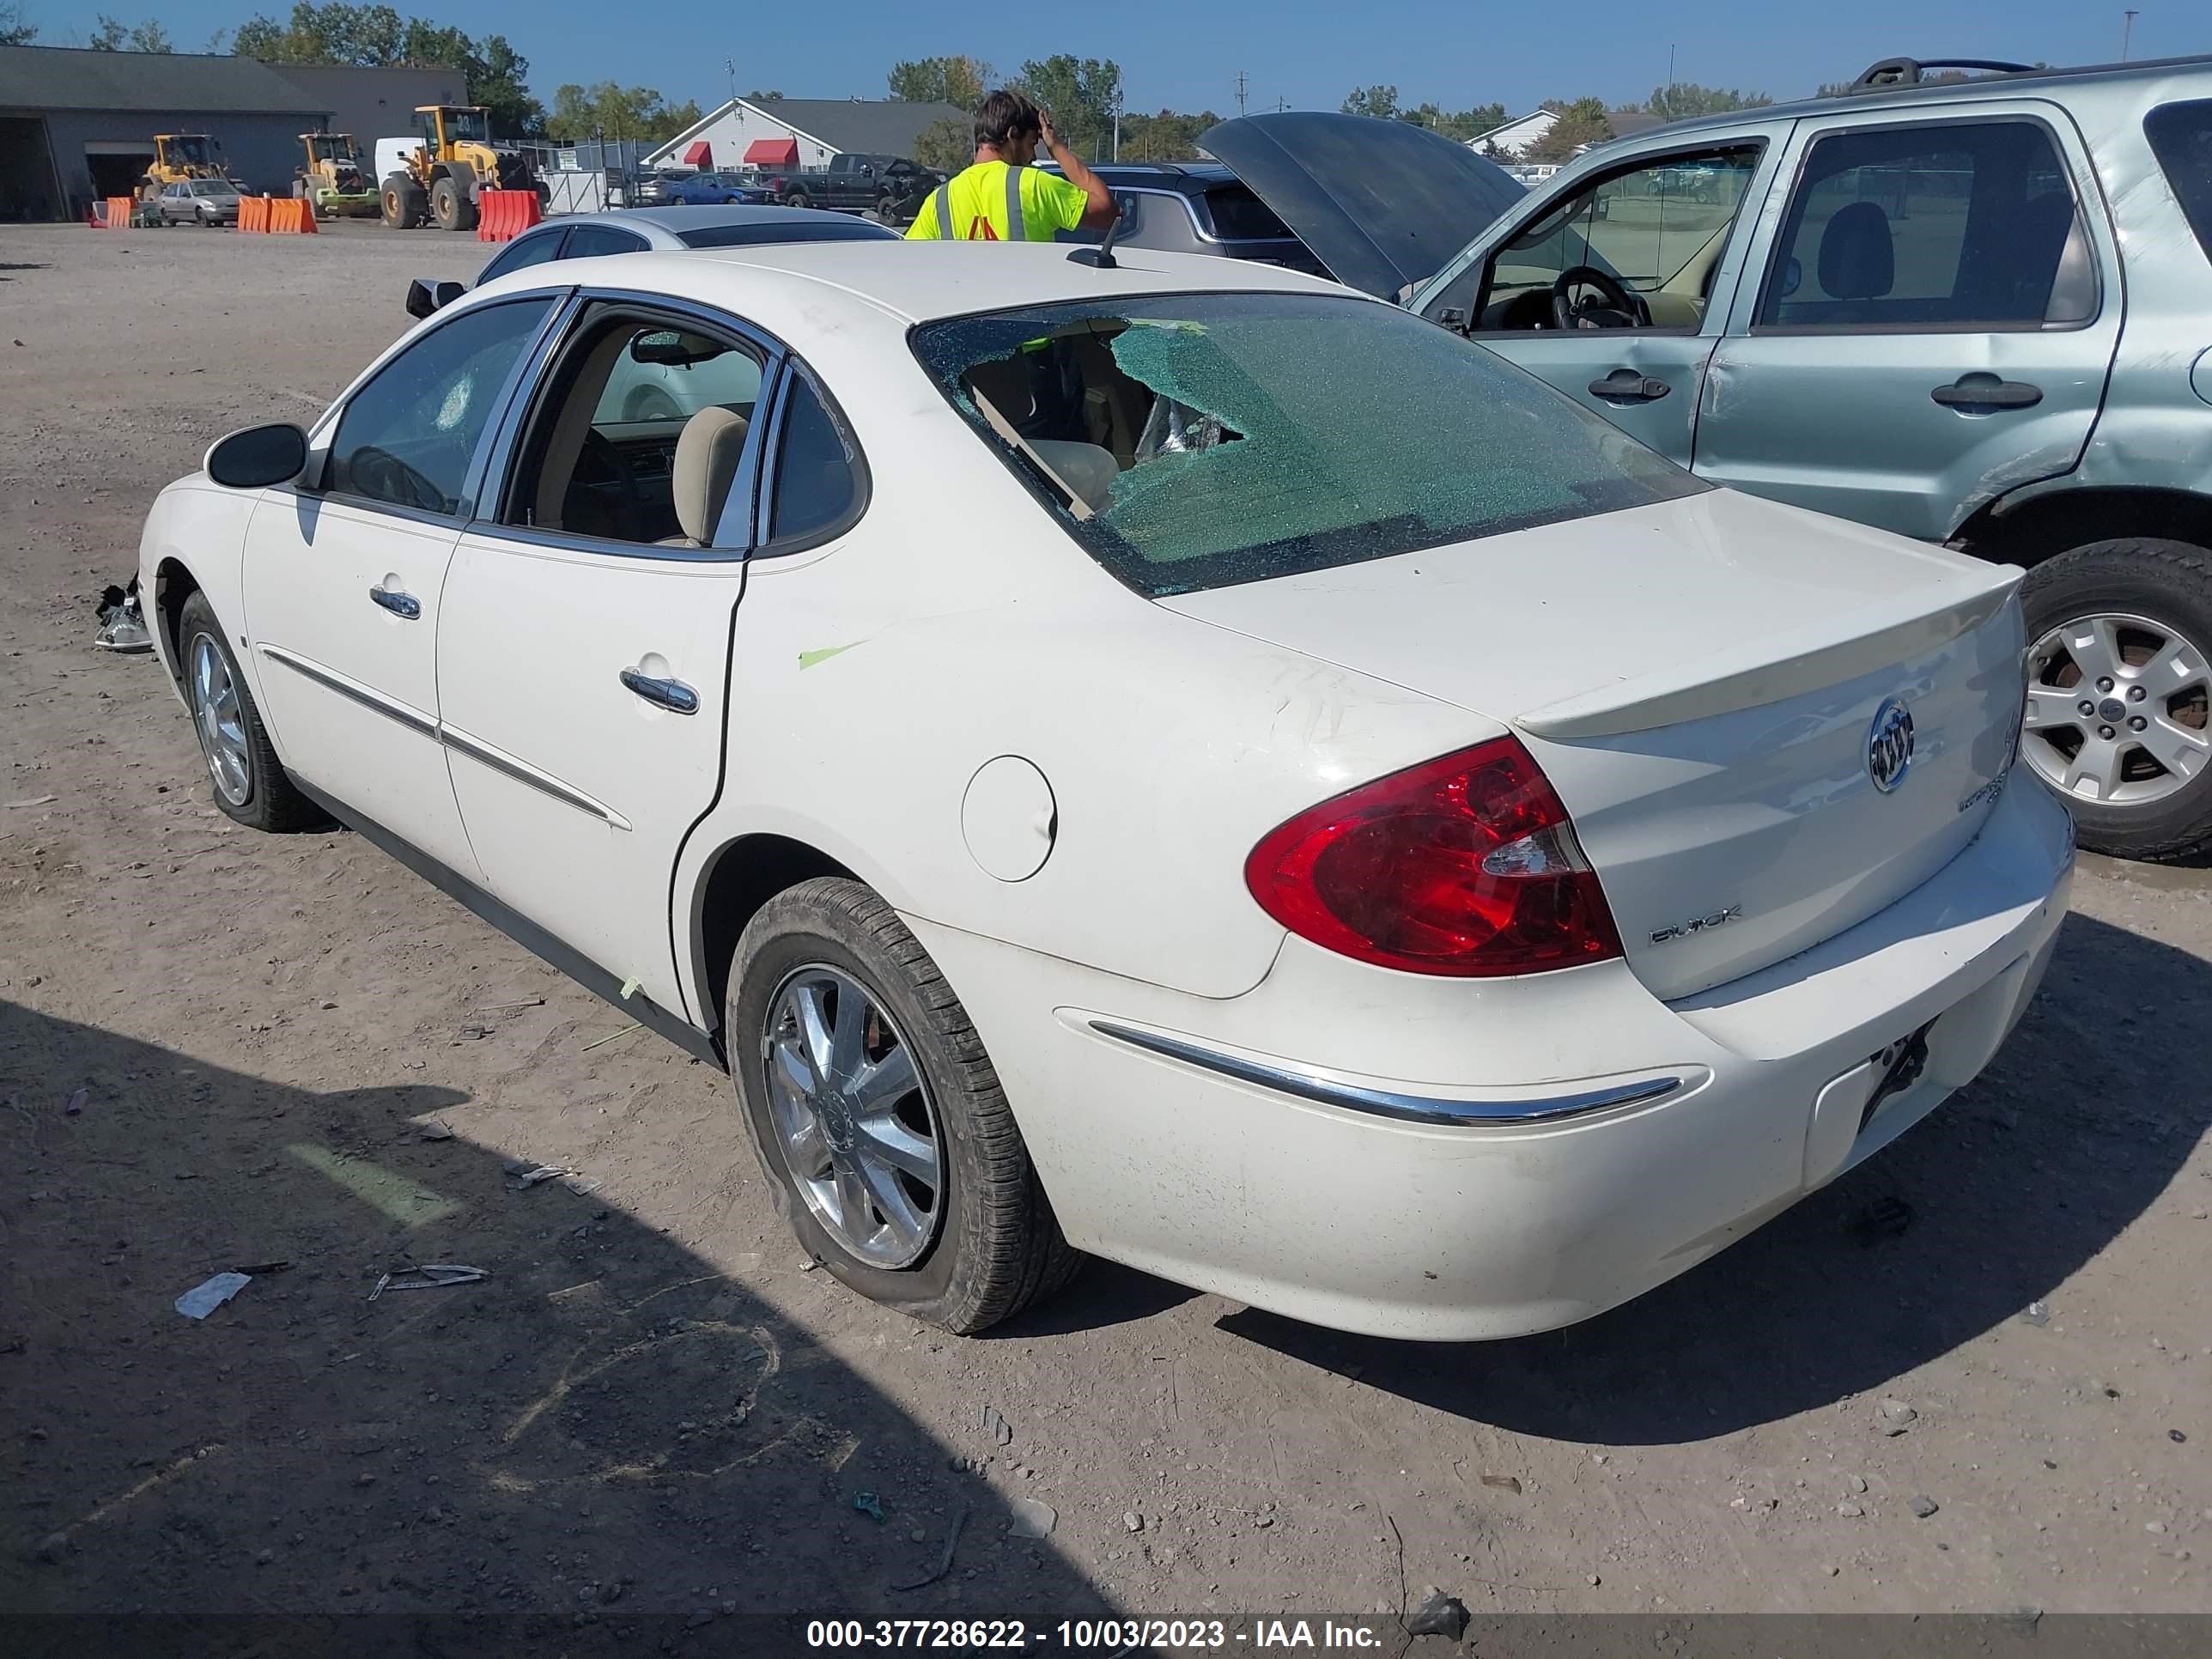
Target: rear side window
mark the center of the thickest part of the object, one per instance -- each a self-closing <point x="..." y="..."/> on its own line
<point x="1199" y="440"/>
<point x="1967" y="224"/>
<point x="2181" y="137"/>
<point x="756" y="232"/>
<point x="406" y="437"/>
<point x="817" y="484"/>
<point x="1239" y="216"/>
<point x="589" y="241"/>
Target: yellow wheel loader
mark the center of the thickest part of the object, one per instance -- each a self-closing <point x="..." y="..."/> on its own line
<point x="438" y="181"/>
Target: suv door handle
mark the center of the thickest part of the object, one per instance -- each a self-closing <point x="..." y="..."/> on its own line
<point x="1626" y="385"/>
<point x="398" y="602"/>
<point x="1986" y="392"/>
<point x="671" y="695"/>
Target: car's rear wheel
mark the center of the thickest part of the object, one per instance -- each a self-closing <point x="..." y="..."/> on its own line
<point x="2119" y="718"/>
<point x="877" y="1115"/>
<point x="250" y="783"/>
<point x="797" y="198"/>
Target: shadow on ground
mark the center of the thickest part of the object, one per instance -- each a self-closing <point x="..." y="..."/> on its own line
<point x="2082" y="1122"/>
<point x="605" y="1431"/>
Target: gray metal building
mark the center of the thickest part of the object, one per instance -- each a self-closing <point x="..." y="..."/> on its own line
<point x="76" y="126"/>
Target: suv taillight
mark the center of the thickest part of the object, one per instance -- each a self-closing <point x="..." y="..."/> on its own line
<point x="1464" y="866"/>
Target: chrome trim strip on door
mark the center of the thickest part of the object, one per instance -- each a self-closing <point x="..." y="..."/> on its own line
<point x="1319" y="1087"/>
<point x="353" y="690"/>
<point x="522" y="772"/>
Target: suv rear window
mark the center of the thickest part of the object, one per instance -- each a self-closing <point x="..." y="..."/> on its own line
<point x="2181" y="137"/>
<point x="1239" y="216"/>
<point x="1191" y="441"/>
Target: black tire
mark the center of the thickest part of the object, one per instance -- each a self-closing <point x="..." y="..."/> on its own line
<point x="450" y="207"/>
<point x="797" y="198"/>
<point x="997" y="1248"/>
<point x="404" y="202"/>
<point x="2166" y="582"/>
<point x="272" y="802"/>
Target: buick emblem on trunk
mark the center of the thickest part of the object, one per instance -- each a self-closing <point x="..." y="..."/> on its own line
<point x="1889" y="745"/>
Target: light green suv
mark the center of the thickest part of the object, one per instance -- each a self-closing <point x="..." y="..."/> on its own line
<point x="1974" y="311"/>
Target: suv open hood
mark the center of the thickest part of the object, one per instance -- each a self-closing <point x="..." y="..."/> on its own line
<point x="1383" y="204"/>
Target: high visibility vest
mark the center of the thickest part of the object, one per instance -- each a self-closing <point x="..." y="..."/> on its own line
<point x="978" y="227"/>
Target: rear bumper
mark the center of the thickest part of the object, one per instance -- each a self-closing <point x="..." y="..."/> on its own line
<point x="1546" y="1193"/>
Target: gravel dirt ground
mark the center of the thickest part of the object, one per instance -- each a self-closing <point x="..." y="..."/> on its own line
<point x="1976" y="1375"/>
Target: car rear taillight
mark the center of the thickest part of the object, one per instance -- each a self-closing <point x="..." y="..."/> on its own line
<point x="1464" y="866"/>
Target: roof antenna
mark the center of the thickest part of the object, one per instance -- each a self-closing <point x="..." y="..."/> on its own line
<point x="1102" y="257"/>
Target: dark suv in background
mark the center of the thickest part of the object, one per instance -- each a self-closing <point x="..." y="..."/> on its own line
<point x="1195" y="207"/>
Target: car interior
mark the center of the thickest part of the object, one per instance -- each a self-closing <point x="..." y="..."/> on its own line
<point x="638" y="435"/>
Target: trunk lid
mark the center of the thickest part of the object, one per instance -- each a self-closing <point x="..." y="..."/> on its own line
<point x="1383" y="204"/>
<point x="1702" y="681"/>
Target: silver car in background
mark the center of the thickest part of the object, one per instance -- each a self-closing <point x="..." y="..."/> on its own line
<point x="211" y="202"/>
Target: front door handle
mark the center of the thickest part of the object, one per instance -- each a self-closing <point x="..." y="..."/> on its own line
<point x="398" y="602"/>
<point x="671" y="695"/>
<point x="1987" y="392"/>
<point x="1626" y="385"/>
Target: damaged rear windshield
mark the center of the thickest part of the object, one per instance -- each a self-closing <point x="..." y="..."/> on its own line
<point x="1191" y="441"/>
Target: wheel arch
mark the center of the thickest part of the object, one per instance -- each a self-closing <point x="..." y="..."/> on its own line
<point x="2026" y="532"/>
<point x="173" y="583"/>
<point x="744" y="874"/>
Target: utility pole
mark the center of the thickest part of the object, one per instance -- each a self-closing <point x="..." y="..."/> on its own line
<point x="2127" y="29"/>
<point x="1281" y="104"/>
<point x="731" y="65"/>
<point x="1670" y="68"/>
<point x="1243" y="80"/>
<point x="1117" y="112"/>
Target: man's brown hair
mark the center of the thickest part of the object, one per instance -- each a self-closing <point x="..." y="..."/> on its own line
<point x="1003" y="114"/>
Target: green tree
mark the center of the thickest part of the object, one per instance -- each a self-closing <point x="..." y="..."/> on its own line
<point x="1582" y="121"/>
<point x="1169" y="136"/>
<point x="615" y="111"/>
<point x="112" y="35"/>
<point x="756" y="96"/>
<point x="376" y="36"/>
<point x="1685" y="98"/>
<point x="16" y="28"/>
<point x="947" y="144"/>
<point x="959" y="80"/>
<point x="1458" y="125"/>
<point x="1381" y="102"/>
<point x="1079" y="94"/>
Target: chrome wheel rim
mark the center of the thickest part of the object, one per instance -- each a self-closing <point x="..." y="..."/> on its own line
<point x="854" y="1121"/>
<point x="220" y="721"/>
<point x="2119" y="710"/>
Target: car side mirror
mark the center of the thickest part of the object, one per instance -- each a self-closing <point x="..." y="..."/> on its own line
<point x="426" y="298"/>
<point x="256" y="457"/>
<point x="1792" y="273"/>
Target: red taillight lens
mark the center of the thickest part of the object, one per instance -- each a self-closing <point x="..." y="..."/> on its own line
<point x="1464" y="866"/>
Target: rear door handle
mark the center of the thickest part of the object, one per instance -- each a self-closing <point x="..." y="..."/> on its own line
<point x="1626" y="385"/>
<point x="398" y="602"/>
<point x="671" y="695"/>
<point x="1986" y="392"/>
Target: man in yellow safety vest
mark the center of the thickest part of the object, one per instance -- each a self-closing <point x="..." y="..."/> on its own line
<point x="1001" y="197"/>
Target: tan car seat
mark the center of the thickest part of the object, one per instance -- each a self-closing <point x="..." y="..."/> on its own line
<point x="707" y="451"/>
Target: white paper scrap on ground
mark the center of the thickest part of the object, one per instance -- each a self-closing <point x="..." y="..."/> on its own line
<point x="202" y="1300"/>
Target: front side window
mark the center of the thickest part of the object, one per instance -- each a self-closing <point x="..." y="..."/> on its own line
<point x="406" y="437"/>
<point x="639" y="434"/>
<point x="1657" y="231"/>
<point x="2181" y="137"/>
<point x="1963" y="224"/>
<point x="523" y="252"/>
<point x="1197" y="441"/>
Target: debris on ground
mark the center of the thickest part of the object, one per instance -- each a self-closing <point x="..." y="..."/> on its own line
<point x="430" y="1276"/>
<point x="471" y="1033"/>
<point x="76" y="1102"/>
<point x="611" y="1036"/>
<point x="1849" y="1510"/>
<point x="870" y="1505"/>
<point x="944" y="1560"/>
<point x="35" y="800"/>
<point x="1922" y="1505"/>
<point x="1886" y="1217"/>
<point x="437" y="1129"/>
<point x="2036" y="1313"/>
<point x="513" y="1007"/>
<point x="997" y="1427"/>
<point x="1894" y="1416"/>
<point x="1504" y="1482"/>
<point x="122" y="623"/>
<point x="1033" y="1519"/>
<point x="521" y="1178"/>
<point x="1440" y="1615"/>
<point x="204" y="1298"/>
<point x="1132" y="1522"/>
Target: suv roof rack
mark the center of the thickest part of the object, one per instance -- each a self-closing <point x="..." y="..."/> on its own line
<point x="1910" y="71"/>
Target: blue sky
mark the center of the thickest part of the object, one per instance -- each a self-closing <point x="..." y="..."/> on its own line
<point x="1186" y="56"/>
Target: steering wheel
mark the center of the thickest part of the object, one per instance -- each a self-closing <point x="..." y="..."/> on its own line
<point x="382" y="475"/>
<point x="1623" y="308"/>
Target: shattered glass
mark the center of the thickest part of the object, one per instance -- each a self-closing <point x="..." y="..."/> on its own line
<point x="1278" y="432"/>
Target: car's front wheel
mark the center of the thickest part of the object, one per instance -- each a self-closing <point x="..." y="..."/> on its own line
<point x="2119" y="711"/>
<point x="879" y="1116"/>
<point x="249" y="782"/>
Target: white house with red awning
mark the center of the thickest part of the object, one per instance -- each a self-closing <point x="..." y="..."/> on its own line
<point x="799" y="133"/>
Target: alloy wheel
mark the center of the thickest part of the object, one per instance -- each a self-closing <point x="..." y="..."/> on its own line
<point x="2119" y="710"/>
<point x="854" y="1121"/>
<point x="218" y="717"/>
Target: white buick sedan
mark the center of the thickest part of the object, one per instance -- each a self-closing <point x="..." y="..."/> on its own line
<point x="1177" y="761"/>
